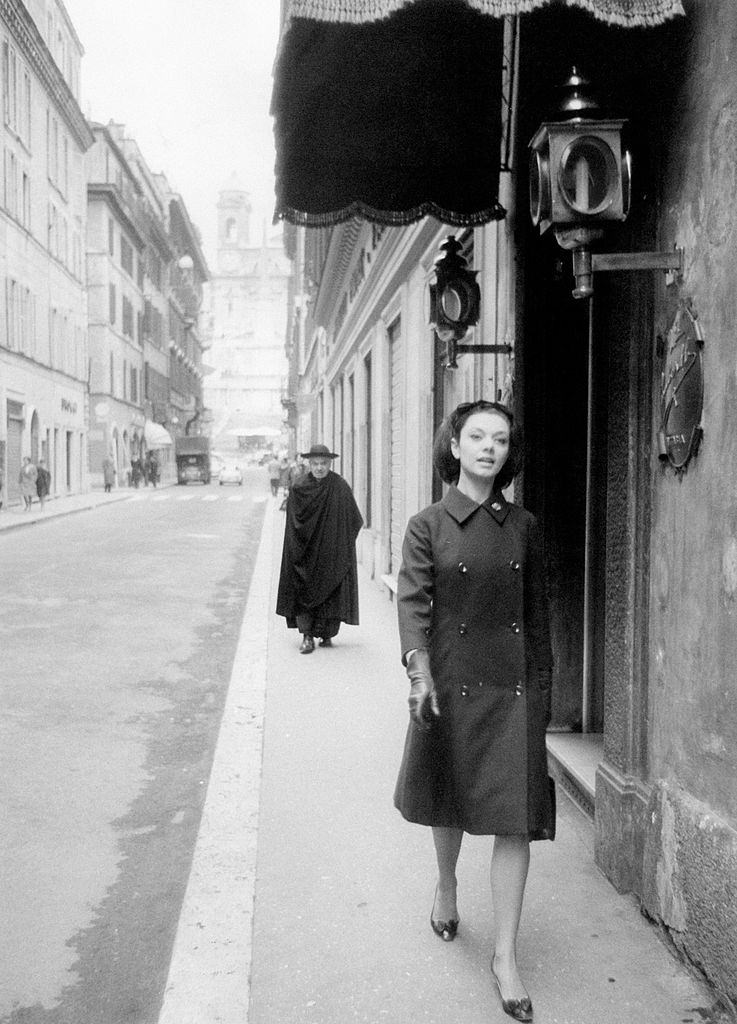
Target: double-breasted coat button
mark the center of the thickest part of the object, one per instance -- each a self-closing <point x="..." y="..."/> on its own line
<point x="462" y="628"/>
<point x="464" y="690"/>
<point x="515" y="627"/>
<point x="496" y="506"/>
<point x="462" y="567"/>
<point x="518" y="689"/>
<point x="514" y="565"/>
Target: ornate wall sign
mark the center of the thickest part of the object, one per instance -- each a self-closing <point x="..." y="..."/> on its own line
<point x="681" y="390"/>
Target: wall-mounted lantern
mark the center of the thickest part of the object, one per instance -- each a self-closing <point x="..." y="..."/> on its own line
<point x="455" y="303"/>
<point x="581" y="182"/>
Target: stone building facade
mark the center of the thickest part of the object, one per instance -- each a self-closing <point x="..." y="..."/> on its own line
<point x="43" y="336"/>
<point x="145" y="271"/>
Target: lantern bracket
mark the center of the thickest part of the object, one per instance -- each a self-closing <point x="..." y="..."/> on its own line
<point x="615" y="261"/>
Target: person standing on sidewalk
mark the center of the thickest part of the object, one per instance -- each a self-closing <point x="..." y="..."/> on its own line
<point x="43" y="482"/>
<point x="473" y="624"/>
<point x="27" y="480"/>
<point x="318" y="583"/>
<point x="108" y="473"/>
<point x="274" y="471"/>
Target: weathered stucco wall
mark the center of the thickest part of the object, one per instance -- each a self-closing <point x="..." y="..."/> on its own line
<point x="691" y="847"/>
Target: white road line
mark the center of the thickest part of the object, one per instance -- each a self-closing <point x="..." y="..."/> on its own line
<point x="211" y="497"/>
<point x="138" y="497"/>
<point x="209" y="972"/>
<point x="184" y="497"/>
<point x="235" y="497"/>
<point x="161" y="497"/>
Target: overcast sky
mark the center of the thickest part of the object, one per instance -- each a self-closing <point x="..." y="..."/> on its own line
<point x="191" y="79"/>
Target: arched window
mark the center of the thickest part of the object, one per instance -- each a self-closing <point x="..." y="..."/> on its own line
<point x="231" y="230"/>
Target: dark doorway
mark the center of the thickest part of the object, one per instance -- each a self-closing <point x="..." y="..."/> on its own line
<point x="565" y="423"/>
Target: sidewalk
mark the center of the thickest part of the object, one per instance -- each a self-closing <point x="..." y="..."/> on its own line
<point x="309" y="897"/>
<point x="14" y="517"/>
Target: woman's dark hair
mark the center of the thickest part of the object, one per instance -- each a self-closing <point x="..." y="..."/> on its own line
<point x="449" y="468"/>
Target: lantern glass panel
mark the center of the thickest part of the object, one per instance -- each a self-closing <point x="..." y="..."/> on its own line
<point x="588" y="175"/>
<point x="452" y="303"/>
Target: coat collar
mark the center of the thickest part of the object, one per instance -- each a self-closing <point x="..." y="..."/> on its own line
<point x="460" y="506"/>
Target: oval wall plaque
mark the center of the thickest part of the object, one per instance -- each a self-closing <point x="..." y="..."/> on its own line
<point x="682" y="390"/>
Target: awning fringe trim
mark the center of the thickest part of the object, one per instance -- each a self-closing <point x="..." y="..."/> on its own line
<point x="393" y="218"/>
<point x="625" y="13"/>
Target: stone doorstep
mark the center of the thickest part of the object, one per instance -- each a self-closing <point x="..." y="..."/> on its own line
<point x="573" y="760"/>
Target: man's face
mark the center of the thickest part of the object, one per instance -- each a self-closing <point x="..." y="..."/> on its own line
<point x="319" y="467"/>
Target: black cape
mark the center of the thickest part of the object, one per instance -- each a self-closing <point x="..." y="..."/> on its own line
<point x="318" y="567"/>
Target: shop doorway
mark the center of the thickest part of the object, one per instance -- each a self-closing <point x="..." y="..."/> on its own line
<point x="34" y="438"/>
<point x="14" y="451"/>
<point x="68" y="465"/>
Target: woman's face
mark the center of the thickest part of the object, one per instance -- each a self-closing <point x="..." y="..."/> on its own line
<point x="483" y="445"/>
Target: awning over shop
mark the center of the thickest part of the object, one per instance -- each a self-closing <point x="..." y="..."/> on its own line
<point x="156" y="436"/>
<point x="391" y="109"/>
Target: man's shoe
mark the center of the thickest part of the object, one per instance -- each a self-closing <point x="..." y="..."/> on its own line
<point x="307" y="646"/>
<point x="326" y="642"/>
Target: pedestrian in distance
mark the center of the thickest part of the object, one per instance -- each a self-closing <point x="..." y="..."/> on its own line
<point x="43" y="482"/>
<point x="318" y="582"/>
<point x="295" y="471"/>
<point x="474" y="632"/>
<point x="152" y="466"/>
<point x="108" y="473"/>
<point x="274" y="470"/>
<point x="2" y="481"/>
<point x="27" y="480"/>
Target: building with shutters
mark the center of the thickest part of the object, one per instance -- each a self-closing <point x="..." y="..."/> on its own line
<point x="43" y="319"/>
<point x="145" y="271"/>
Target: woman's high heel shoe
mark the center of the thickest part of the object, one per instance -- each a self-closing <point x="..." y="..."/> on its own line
<point x="520" y="1009"/>
<point x="446" y="930"/>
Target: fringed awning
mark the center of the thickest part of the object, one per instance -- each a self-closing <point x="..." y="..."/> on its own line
<point x="390" y="120"/>
<point x="390" y="110"/>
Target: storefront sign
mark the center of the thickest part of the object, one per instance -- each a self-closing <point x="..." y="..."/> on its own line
<point x="681" y="390"/>
<point x="69" y="407"/>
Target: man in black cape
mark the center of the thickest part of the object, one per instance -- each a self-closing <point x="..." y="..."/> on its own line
<point x="318" y="584"/>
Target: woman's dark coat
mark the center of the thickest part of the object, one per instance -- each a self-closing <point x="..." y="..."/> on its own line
<point x="471" y="589"/>
<point x="43" y="482"/>
<point x="318" y="568"/>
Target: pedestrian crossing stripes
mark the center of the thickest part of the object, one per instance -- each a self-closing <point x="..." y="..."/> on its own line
<point x="189" y="497"/>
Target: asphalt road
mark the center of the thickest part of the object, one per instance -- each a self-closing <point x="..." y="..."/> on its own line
<point x="118" y="629"/>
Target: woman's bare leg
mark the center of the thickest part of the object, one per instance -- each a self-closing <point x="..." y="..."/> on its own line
<point x="509" y="864"/>
<point x="447" y="847"/>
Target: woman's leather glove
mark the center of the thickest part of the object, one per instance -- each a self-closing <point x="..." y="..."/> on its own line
<point x="423" y="700"/>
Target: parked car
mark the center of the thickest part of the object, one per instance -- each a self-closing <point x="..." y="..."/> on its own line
<point x="231" y="475"/>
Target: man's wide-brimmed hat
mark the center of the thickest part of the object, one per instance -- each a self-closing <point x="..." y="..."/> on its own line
<point x="319" y="451"/>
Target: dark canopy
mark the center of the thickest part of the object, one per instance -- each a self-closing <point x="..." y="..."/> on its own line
<point x="390" y="120"/>
<point x="391" y="109"/>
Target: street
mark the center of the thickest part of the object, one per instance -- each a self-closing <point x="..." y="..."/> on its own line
<point x="118" y="630"/>
<point x="163" y="866"/>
